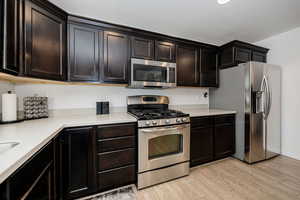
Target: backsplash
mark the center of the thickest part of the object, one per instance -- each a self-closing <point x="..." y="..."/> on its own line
<point x="4" y="87"/>
<point x="79" y="96"/>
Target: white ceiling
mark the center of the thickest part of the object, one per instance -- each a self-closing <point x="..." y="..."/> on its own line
<point x="200" y="20"/>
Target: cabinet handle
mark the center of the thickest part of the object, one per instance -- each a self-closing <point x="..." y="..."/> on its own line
<point x="4" y="32"/>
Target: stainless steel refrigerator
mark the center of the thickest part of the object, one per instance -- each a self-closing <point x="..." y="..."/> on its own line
<point x="253" y="89"/>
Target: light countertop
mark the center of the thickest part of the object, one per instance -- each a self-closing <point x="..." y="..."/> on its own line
<point x="34" y="134"/>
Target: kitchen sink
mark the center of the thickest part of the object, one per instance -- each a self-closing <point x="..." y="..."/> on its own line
<point x="6" y="146"/>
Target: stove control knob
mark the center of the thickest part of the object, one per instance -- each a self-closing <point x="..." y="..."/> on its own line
<point x="178" y="120"/>
<point x="147" y="123"/>
<point x="154" y="122"/>
<point x="167" y="121"/>
<point x="184" y="119"/>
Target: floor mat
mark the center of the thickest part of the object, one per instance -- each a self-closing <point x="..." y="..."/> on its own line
<point x="125" y="193"/>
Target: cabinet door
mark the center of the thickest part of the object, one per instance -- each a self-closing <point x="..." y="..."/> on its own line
<point x="165" y="51"/>
<point x="85" y="55"/>
<point x="9" y="51"/>
<point x="116" y="58"/>
<point x="224" y="136"/>
<point x="142" y="48"/>
<point x="45" y="43"/>
<point x="78" y="159"/>
<point x="242" y="55"/>
<point x="259" y="57"/>
<point x="208" y="68"/>
<point x="201" y="145"/>
<point x="187" y="66"/>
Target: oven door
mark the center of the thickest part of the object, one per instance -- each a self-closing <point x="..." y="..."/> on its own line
<point x="149" y="73"/>
<point x="163" y="146"/>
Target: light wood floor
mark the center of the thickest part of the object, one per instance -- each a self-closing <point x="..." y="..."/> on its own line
<point x="231" y="179"/>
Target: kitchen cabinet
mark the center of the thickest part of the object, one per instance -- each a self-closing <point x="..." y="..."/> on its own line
<point x="224" y="134"/>
<point x="208" y="68"/>
<point x="34" y="180"/>
<point x="116" y="159"/>
<point x="45" y="40"/>
<point x="78" y="162"/>
<point x="165" y="51"/>
<point x="212" y="138"/>
<point x="237" y="52"/>
<point x="10" y="22"/>
<point x="259" y="57"/>
<point x="85" y="53"/>
<point x="202" y="133"/>
<point x="187" y="65"/>
<point x="142" y="48"/>
<point x="116" y="57"/>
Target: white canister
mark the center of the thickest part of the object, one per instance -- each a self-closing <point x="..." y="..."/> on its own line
<point x="9" y="107"/>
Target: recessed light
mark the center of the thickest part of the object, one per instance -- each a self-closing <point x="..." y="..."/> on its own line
<point x="223" y="1"/>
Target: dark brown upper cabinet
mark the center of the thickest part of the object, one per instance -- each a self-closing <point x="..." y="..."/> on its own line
<point x="259" y="56"/>
<point x="10" y="19"/>
<point x="45" y="40"/>
<point x="165" y="51"/>
<point x="237" y="52"/>
<point x="78" y="162"/>
<point x="187" y="65"/>
<point x="142" y="48"/>
<point x="85" y="53"/>
<point x="116" y="58"/>
<point x="208" y="68"/>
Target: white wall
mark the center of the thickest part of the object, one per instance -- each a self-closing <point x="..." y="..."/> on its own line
<point x="4" y="88"/>
<point x="78" y="96"/>
<point x="285" y="51"/>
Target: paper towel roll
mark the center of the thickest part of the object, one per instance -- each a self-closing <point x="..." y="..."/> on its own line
<point x="9" y="107"/>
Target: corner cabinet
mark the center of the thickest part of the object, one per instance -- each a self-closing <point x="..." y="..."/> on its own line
<point x="212" y="138"/>
<point x="237" y="52"/>
<point x="45" y="40"/>
<point x="116" y="57"/>
<point x="78" y="162"/>
<point x="85" y="53"/>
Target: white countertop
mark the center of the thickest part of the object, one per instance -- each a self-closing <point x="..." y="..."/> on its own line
<point x="34" y="134"/>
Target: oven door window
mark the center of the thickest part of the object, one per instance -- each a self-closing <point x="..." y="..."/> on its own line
<point x="164" y="146"/>
<point x="147" y="73"/>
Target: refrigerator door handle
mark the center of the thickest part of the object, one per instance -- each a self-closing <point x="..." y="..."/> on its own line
<point x="268" y="98"/>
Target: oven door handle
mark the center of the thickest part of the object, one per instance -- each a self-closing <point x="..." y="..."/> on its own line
<point x="163" y="129"/>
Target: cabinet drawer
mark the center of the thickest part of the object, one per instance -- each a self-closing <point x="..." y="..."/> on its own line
<point x="116" y="159"/>
<point x="111" y="131"/>
<point x="202" y="122"/>
<point x="115" y="144"/>
<point x="225" y="120"/>
<point x="22" y="180"/>
<point x="116" y="178"/>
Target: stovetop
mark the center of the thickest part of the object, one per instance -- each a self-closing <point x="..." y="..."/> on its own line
<point x="151" y="114"/>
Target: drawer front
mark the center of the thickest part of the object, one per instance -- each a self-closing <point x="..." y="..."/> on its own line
<point x="225" y="120"/>
<point x="116" y="159"/>
<point x="116" y="178"/>
<point x="112" y="131"/>
<point x="202" y="122"/>
<point x="115" y="144"/>
<point x="24" y="178"/>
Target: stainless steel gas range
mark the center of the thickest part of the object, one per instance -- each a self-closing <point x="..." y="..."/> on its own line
<point x="163" y="140"/>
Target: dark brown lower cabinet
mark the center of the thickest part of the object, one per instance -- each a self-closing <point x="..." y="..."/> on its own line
<point x="34" y="180"/>
<point x="78" y="162"/>
<point x="212" y="138"/>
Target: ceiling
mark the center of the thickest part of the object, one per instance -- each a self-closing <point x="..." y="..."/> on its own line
<point x="200" y="20"/>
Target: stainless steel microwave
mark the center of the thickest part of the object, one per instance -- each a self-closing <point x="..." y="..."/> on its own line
<point x="152" y="74"/>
